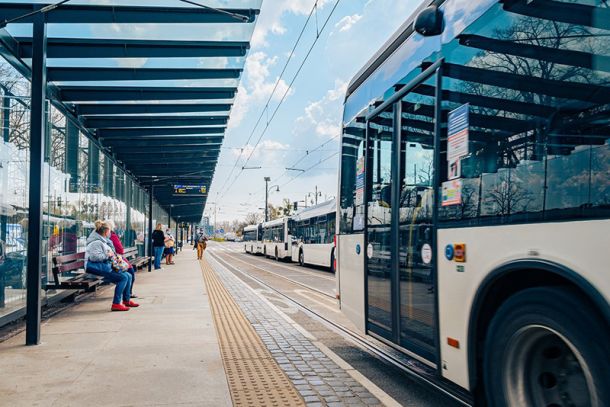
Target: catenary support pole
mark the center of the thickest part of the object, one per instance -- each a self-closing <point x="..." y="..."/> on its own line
<point x="38" y="129"/>
<point x="150" y="227"/>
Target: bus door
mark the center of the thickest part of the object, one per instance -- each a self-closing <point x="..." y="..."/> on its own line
<point x="378" y="225"/>
<point x="400" y="266"/>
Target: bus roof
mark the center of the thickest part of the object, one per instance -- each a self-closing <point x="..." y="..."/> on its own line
<point x="395" y="41"/>
<point x="274" y="222"/>
<point x="318" y="210"/>
<point x="250" y="227"/>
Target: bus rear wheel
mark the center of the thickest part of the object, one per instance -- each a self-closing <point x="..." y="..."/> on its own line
<point x="332" y="262"/>
<point x="301" y="258"/>
<point x="539" y="352"/>
<point x="277" y="257"/>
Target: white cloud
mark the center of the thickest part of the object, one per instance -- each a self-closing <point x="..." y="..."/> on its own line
<point x="323" y="117"/>
<point x="347" y="22"/>
<point x="257" y="77"/>
<point x="270" y="18"/>
<point x="256" y="87"/>
<point x="240" y="107"/>
<point x="268" y="150"/>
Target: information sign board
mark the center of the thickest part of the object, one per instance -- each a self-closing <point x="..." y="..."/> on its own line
<point x="457" y="133"/>
<point x="190" y="190"/>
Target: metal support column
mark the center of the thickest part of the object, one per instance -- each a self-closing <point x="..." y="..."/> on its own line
<point x="150" y="227"/>
<point x="6" y="128"/>
<point x="72" y="135"/>
<point x="128" y="235"/>
<point x="93" y="166"/>
<point x="37" y="139"/>
<point x="6" y="124"/>
<point x="181" y="236"/>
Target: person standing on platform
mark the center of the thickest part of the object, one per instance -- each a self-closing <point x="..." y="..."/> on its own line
<point x="158" y="242"/>
<point x="170" y="247"/>
<point x="200" y="243"/>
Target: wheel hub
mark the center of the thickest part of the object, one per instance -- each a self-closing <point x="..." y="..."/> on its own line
<point x="544" y="369"/>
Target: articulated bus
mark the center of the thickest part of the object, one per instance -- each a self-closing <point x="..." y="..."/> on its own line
<point x="313" y="231"/>
<point x="277" y="239"/>
<point x="473" y="220"/>
<point x="253" y="235"/>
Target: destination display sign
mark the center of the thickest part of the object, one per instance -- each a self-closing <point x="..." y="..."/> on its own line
<point x="190" y="190"/>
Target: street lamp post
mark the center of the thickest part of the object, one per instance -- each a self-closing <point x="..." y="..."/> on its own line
<point x="267" y="179"/>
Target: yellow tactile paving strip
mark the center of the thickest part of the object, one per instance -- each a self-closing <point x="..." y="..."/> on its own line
<point x="254" y="377"/>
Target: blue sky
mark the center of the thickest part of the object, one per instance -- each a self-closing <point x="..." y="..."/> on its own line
<point x="311" y="113"/>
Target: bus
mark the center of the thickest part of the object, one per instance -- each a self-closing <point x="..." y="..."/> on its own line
<point x="474" y="199"/>
<point x="277" y="239"/>
<point x="313" y="232"/>
<point x="253" y="236"/>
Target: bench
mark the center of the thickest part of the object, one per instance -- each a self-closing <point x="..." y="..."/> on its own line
<point x="131" y="255"/>
<point x="72" y="263"/>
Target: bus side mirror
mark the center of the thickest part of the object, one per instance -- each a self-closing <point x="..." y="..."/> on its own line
<point x="429" y="22"/>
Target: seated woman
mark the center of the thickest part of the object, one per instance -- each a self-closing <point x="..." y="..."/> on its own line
<point x="117" y="246"/>
<point x="98" y="257"/>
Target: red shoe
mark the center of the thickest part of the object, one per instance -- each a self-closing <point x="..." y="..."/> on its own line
<point x="119" y="307"/>
<point x="130" y="304"/>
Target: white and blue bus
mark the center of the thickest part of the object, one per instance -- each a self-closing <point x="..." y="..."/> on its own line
<point x="253" y="236"/>
<point x="277" y="238"/>
<point x="474" y="199"/>
<point x="313" y="232"/>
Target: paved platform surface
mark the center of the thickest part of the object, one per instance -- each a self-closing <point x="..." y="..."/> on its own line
<point x="178" y="350"/>
<point x="164" y="353"/>
<point x="320" y="380"/>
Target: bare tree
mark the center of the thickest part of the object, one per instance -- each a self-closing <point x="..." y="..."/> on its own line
<point x="253" y="218"/>
<point x="509" y="197"/>
<point x="286" y="207"/>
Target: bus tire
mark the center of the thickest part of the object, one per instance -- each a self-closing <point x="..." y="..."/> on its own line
<point x="277" y="256"/>
<point x="301" y="258"/>
<point x="546" y="346"/>
<point x="332" y="262"/>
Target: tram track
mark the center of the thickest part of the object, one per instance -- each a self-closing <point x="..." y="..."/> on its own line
<point x="237" y="257"/>
<point x="298" y="269"/>
<point x="409" y="367"/>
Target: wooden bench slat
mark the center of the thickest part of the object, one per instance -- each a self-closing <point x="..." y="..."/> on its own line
<point x="75" y="265"/>
<point x="66" y="258"/>
<point x="70" y="263"/>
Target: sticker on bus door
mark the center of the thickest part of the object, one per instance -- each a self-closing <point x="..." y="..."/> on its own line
<point x="426" y="253"/>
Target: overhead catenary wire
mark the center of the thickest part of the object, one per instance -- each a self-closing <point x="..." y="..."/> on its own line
<point x="322" y="161"/>
<point x="310" y="168"/>
<point x="307" y="154"/>
<point x="265" y="109"/>
<point x="292" y="81"/>
<point x="288" y="88"/>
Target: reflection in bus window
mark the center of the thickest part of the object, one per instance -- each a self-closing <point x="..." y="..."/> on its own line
<point x="539" y="126"/>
